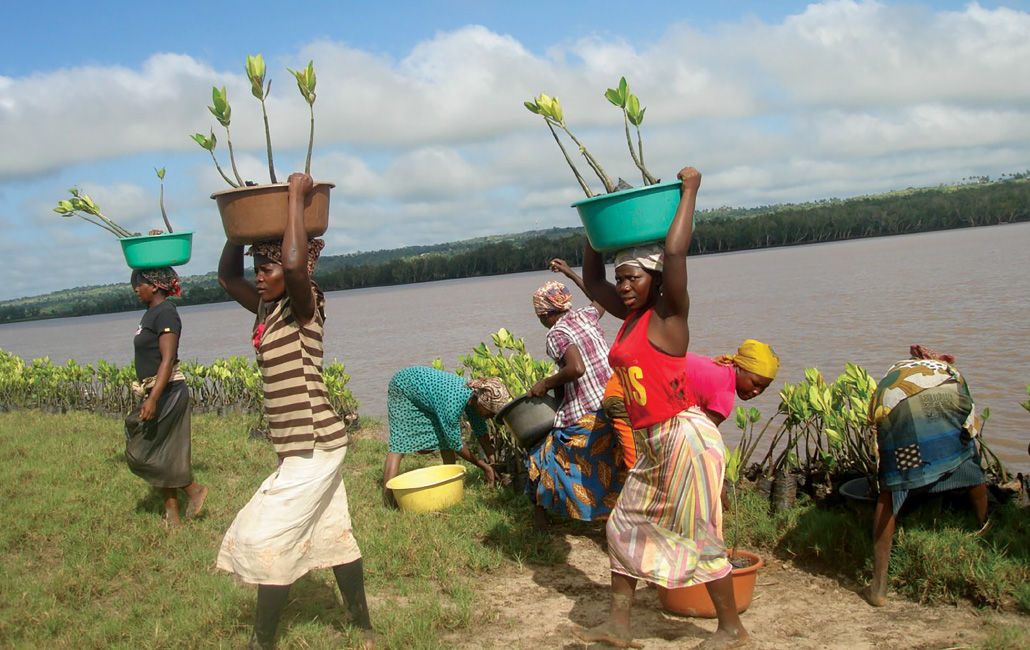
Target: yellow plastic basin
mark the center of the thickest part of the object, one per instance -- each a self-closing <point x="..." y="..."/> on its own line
<point x="429" y="488"/>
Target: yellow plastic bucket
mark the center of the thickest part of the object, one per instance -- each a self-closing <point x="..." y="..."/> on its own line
<point x="428" y="489"/>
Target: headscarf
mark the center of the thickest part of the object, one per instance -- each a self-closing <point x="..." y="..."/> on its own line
<point x="551" y="298"/>
<point x="273" y="250"/>
<point x="650" y="257"/>
<point x="162" y="277"/>
<point x="919" y="352"/>
<point x="490" y="393"/>
<point x="753" y="356"/>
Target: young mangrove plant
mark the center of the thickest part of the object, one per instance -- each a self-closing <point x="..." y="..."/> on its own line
<point x="83" y="206"/>
<point x="550" y="109"/>
<point x="259" y="88"/>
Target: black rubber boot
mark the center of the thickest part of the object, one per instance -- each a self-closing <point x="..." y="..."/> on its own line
<point x="351" y="580"/>
<point x="270" y="603"/>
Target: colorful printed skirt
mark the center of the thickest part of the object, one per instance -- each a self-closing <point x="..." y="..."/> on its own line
<point x="667" y="526"/>
<point x="572" y="472"/>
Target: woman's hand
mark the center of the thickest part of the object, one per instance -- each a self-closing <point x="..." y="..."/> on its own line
<point x="538" y="389"/>
<point x="690" y="177"/>
<point x="560" y="266"/>
<point x="488" y="474"/>
<point x="300" y="184"/>
<point x="148" y="409"/>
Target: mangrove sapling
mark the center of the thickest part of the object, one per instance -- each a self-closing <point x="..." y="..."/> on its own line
<point x="633" y="114"/>
<point x="259" y="88"/>
<point x="306" y="85"/>
<point x="81" y="205"/>
<point x="550" y="109"/>
<point x="84" y="207"/>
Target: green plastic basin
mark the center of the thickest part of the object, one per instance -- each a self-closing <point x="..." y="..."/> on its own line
<point x="628" y="218"/>
<point x="150" y="251"/>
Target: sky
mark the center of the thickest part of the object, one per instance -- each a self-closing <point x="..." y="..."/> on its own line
<point x="420" y="123"/>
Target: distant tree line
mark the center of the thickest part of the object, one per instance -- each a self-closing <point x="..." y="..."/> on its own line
<point x="721" y="230"/>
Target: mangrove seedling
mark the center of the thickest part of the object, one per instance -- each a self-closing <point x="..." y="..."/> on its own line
<point x="633" y="114"/>
<point x="550" y="109"/>
<point x="84" y="207"/>
<point x="259" y="88"/>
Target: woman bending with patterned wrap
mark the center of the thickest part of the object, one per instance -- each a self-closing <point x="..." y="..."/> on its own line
<point x="299" y="519"/>
<point x="157" y="432"/>
<point x="925" y="424"/>
<point x="666" y="526"/>
<point x="425" y="408"/>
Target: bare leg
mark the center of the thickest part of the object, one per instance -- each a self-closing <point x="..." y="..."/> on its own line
<point x="883" y="535"/>
<point x="448" y="457"/>
<point x="615" y="631"/>
<point x="978" y="495"/>
<point x="731" y="632"/>
<point x="171" y="496"/>
<point x="391" y="469"/>
<point x="197" y="493"/>
<point x="539" y="519"/>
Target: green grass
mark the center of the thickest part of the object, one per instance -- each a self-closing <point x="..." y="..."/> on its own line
<point x="86" y="563"/>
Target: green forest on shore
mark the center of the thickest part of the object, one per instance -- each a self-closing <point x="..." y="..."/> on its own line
<point x="944" y="207"/>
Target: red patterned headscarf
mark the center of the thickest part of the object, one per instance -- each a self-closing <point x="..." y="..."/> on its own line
<point x="163" y="277"/>
<point x="490" y="393"/>
<point x="552" y="298"/>
<point x="273" y="250"/>
<point x="919" y="352"/>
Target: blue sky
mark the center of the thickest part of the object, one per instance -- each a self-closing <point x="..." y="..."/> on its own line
<point x="419" y="119"/>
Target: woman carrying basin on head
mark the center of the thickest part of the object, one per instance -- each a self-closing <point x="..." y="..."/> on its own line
<point x="666" y="526"/>
<point x="157" y="432"/>
<point x="299" y="519"/>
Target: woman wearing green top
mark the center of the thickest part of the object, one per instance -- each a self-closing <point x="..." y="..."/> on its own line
<point x="425" y="407"/>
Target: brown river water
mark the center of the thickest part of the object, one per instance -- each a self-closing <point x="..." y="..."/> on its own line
<point x="962" y="291"/>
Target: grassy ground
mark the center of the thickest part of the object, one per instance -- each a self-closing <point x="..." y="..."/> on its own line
<point x="85" y="561"/>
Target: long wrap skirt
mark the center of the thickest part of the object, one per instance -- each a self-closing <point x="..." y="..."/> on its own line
<point x="297" y="521"/>
<point x="667" y="526"/>
<point x="158" y="450"/>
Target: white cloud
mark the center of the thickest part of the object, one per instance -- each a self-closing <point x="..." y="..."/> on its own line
<point x="844" y="98"/>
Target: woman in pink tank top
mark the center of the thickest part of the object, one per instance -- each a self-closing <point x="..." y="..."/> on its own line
<point x="666" y="527"/>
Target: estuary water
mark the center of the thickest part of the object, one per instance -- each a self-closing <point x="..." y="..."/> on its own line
<point x="865" y="301"/>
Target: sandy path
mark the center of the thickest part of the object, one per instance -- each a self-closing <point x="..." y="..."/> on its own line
<point x="533" y="607"/>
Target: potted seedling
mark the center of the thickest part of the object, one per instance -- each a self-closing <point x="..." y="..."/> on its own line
<point x="694" y="600"/>
<point x="141" y="251"/>
<point x="252" y="212"/>
<point x="623" y="216"/>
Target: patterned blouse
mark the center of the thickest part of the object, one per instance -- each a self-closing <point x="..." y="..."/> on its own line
<point x="297" y="406"/>
<point x="580" y="327"/>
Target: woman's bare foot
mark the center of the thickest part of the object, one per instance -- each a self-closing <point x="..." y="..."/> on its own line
<point x="370" y="639"/>
<point x="874" y="599"/>
<point x="171" y="519"/>
<point x="608" y="633"/>
<point x="196" y="504"/>
<point x="723" y="639"/>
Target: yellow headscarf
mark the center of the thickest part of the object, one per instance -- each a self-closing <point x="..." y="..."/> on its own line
<point x="753" y="356"/>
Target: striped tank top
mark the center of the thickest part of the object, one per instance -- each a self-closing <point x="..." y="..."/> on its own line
<point x="297" y="406"/>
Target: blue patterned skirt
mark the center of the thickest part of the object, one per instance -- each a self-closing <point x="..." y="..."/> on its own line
<point x="573" y="473"/>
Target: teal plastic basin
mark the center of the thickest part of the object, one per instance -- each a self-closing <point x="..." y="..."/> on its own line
<point x="150" y="251"/>
<point x="628" y="218"/>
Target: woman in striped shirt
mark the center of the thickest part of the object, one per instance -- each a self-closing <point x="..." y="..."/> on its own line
<point x="299" y="519"/>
